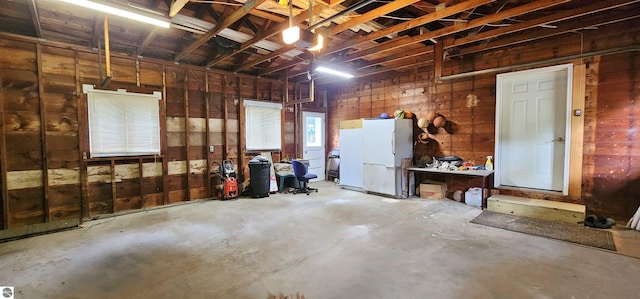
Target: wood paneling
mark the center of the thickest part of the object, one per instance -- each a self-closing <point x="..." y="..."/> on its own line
<point x="603" y="176"/>
<point x="54" y="108"/>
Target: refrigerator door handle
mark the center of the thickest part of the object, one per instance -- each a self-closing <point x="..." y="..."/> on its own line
<point x="393" y="143"/>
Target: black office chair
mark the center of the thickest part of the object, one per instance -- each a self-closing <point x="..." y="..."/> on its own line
<point x="300" y="171"/>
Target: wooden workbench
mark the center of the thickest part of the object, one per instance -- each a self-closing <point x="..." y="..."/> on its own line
<point x="486" y="175"/>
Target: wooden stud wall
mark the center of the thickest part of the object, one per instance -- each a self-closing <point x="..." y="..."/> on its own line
<point x="45" y="168"/>
<point x="607" y="181"/>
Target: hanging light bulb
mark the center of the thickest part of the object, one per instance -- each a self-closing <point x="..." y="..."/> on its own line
<point x="291" y="34"/>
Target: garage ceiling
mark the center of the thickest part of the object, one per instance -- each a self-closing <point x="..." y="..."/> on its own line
<point x="366" y="36"/>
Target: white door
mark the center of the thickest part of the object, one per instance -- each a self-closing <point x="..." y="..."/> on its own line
<point x="313" y="143"/>
<point x="532" y="128"/>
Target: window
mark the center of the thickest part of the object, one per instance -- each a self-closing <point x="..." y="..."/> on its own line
<point x="262" y="125"/>
<point x="122" y="123"/>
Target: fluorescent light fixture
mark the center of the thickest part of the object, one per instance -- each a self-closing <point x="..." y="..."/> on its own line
<point x="333" y="72"/>
<point x="118" y="12"/>
<point x="291" y="35"/>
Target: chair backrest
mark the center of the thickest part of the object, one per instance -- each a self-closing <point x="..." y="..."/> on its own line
<point x="299" y="169"/>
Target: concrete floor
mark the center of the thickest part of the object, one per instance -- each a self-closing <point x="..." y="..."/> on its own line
<point x="332" y="244"/>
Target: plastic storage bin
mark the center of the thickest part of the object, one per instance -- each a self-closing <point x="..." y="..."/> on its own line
<point x="473" y="197"/>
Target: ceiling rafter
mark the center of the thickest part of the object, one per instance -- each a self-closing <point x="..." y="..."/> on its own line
<point x="561" y="16"/>
<point x="228" y="21"/>
<point x="33" y="8"/>
<point x="564" y="27"/>
<point x="273" y="31"/>
<point x="372" y="14"/>
<point x="443" y="13"/>
<point x="144" y="43"/>
<point x="439" y="14"/>
<point x="398" y="43"/>
<point x="176" y="7"/>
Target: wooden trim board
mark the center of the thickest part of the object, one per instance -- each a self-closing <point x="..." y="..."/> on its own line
<point x="537" y="208"/>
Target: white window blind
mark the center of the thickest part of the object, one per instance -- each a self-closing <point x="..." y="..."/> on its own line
<point x="262" y="125"/>
<point x="122" y="123"/>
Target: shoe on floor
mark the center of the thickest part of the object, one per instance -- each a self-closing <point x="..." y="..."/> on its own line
<point x="590" y="221"/>
<point x="605" y="223"/>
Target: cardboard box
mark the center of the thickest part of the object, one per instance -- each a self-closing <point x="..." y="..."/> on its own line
<point x="433" y="190"/>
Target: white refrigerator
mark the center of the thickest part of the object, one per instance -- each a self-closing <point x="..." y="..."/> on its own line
<point x="385" y="143"/>
<point x="351" y="158"/>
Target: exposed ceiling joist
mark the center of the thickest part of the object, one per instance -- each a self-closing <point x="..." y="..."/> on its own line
<point x="35" y="17"/>
<point x="439" y="14"/>
<point x="176" y="6"/>
<point x="396" y="43"/>
<point x="561" y="16"/>
<point x="275" y="30"/>
<point x="564" y="28"/>
<point x="232" y="18"/>
<point x="372" y="14"/>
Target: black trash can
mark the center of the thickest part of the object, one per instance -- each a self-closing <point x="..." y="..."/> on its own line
<point x="259" y="171"/>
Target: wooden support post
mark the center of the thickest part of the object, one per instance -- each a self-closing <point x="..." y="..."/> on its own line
<point x="83" y="129"/>
<point x="225" y="116"/>
<point x="577" y="130"/>
<point x="163" y="138"/>
<point x="285" y="99"/>
<point x="43" y="134"/>
<point x="3" y="162"/>
<point x="438" y="60"/>
<point x="242" y="144"/>
<point x="140" y="176"/>
<point x="185" y="85"/>
<point x="207" y="129"/>
<point x="113" y="185"/>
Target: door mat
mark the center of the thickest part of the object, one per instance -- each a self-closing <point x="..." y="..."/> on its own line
<point x="574" y="233"/>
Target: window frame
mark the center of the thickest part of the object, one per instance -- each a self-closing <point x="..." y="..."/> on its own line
<point x="131" y="129"/>
<point x="266" y="132"/>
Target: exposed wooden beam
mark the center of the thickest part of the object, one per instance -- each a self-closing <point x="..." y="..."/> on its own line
<point x="268" y="16"/>
<point x="438" y="60"/>
<point x="557" y="17"/>
<point x="269" y="33"/>
<point x="228" y="21"/>
<point x="372" y="14"/>
<point x="35" y="18"/>
<point x="279" y="67"/>
<point x="151" y="35"/>
<point x="249" y="24"/>
<point x="176" y="6"/>
<point x="439" y="14"/>
<point x="418" y="51"/>
<point x="264" y="58"/>
<point x="147" y="40"/>
<point x="398" y="43"/>
<point x="541" y="33"/>
<point x="97" y="31"/>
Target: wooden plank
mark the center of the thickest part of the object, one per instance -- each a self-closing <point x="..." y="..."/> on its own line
<point x="99" y="199"/>
<point x="83" y="141"/>
<point x="26" y="206"/>
<point x="176" y="6"/>
<point x="163" y="137"/>
<point x="43" y="135"/>
<point x="187" y="130"/>
<point x="577" y="131"/>
<point x="64" y="202"/>
<point x="536" y="208"/>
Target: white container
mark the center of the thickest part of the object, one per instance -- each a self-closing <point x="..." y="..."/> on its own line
<point x="473" y="197"/>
